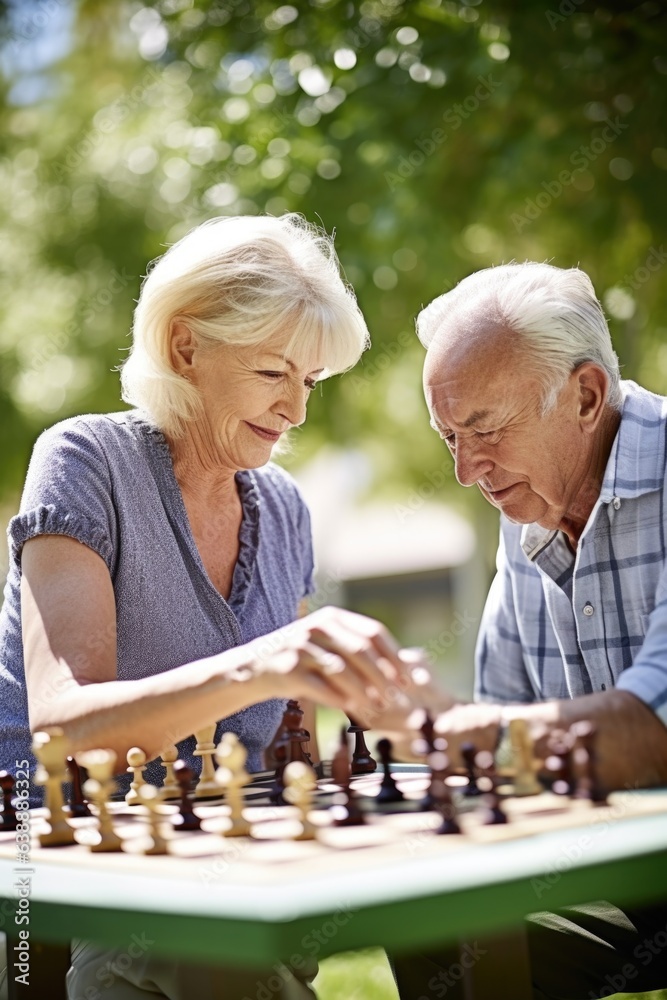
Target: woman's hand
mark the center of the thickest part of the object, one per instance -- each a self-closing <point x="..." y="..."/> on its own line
<point x="345" y="660"/>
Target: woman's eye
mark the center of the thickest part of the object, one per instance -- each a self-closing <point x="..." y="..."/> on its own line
<point x="272" y="374"/>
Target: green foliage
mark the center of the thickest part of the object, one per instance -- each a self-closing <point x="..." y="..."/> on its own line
<point x="432" y="136"/>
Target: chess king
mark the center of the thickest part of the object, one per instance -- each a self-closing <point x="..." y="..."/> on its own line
<point x="523" y="386"/>
<point x="159" y="561"/>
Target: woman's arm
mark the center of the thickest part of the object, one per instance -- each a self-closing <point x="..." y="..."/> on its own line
<point x="69" y="634"/>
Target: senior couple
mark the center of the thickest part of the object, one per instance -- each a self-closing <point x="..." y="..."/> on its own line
<point x="160" y="565"/>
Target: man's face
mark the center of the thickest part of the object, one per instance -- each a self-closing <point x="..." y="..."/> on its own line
<point x="486" y="405"/>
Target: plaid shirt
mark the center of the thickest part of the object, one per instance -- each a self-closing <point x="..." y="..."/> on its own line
<point x="558" y="625"/>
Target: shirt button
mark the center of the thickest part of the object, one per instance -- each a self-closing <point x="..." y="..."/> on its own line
<point x="617" y="503"/>
<point x="589" y="610"/>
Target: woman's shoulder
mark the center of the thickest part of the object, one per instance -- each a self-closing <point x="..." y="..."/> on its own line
<point x="94" y="432"/>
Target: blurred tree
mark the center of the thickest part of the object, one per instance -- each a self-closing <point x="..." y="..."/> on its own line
<point x="436" y="137"/>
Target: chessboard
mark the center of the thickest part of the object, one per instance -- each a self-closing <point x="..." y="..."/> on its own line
<point x="389" y="831"/>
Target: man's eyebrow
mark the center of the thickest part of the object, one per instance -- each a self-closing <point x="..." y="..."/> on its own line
<point x="290" y="364"/>
<point x="475" y="418"/>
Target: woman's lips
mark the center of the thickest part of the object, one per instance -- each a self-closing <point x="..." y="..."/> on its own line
<point x="264" y="433"/>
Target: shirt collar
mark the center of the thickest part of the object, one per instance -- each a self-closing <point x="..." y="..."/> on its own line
<point x="636" y="463"/>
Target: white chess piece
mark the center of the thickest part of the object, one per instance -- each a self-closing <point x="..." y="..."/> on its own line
<point x="136" y="759"/>
<point x="206" y="786"/>
<point x="300" y="784"/>
<point x="232" y="776"/>
<point x="51" y="750"/>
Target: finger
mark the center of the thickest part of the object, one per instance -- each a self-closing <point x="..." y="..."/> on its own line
<point x="372" y="631"/>
<point x="371" y="670"/>
<point x="334" y="671"/>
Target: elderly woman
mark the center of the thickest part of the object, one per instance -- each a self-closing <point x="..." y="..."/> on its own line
<point x="158" y="563"/>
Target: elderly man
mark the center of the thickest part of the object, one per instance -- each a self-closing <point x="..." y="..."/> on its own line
<point x="523" y="385"/>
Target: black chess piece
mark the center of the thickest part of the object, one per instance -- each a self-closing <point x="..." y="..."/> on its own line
<point x="468" y="754"/>
<point x="445" y="806"/>
<point x="298" y="736"/>
<point x="559" y="763"/>
<point x="8" y="819"/>
<point x="186" y="819"/>
<point x="281" y="757"/>
<point x="494" y="814"/>
<point x="77" y="805"/>
<point x="362" y="762"/>
<point x="389" y="790"/>
<point x="585" y="763"/>
<point x="345" y="810"/>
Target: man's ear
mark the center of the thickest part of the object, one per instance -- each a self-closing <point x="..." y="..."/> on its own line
<point x="593" y="385"/>
<point x="182" y="346"/>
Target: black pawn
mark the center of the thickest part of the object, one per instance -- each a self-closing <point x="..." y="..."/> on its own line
<point x="445" y="806"/>
<point x="362" y="762"/>
<point x="8" y="819"/>
<point x="186" y="819"/>
<point x="468" y="754"/>
<point x="389" y="790"/>
<point x="78" y="805"/>
<point x="494" y="815"/>
<point x="280" y="755"/>
<point x="346" y="810"/>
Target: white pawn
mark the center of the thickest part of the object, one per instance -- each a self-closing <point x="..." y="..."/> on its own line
<point x="50" y="749"/>
<point x="170" y="789"/>
<point x="300" y="785"/>
<point x="525" y="765"/>
<point x="100" y="767"/>
<point x="206" y="786"/>
<point x="151" y="797"/>
<point x="232" y="776"/>
<point x="136" y="758"/>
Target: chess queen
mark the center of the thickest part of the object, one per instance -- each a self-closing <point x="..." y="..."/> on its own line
<point x="160" y="546"/>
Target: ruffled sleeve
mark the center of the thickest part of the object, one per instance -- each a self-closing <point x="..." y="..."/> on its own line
<point x="68" y="491"/>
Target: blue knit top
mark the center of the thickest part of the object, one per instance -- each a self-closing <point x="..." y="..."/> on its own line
<point x="108" y="481"/>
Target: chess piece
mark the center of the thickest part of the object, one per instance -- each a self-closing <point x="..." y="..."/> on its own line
<point x="151" y="797"/>
<point x="186" y="819"/>
<point x="494" y="814"/>
<point x="389" y="790"/>
<point x="170" y="787"/>
<point x="232" y="776"/>
<point x="8" y="819"/>
<point x="207" y="788"/>
<point x="585" y="763"/>
<point x="77" y="805"/>
<point x="525" y="779"/>
<point x="559" y="762"/>
<point x="50" y="749"/>
<point x="300" y="784"/>
<point x="98" y="789"/>
<point x="362" y="762"/>
<point x="136" y="759"/>
<point x="445" y="805"/>
<point x="345" y="809"/>
<point x="280" y="747"/>
<point x="468" y="753"/>
<point x="438" y="762"/>
<point x="298" y="736"/>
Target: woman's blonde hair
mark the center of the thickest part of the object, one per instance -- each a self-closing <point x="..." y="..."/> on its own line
<point x="240" y="281"/>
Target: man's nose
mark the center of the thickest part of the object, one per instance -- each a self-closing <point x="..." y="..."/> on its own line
<point x="471" y="462"/>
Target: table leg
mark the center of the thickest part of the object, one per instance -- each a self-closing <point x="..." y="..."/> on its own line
<point x="497" y="966"/>
<point x="48" y="967"/>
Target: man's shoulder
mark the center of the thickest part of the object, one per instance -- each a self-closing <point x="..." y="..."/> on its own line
<point x="641" y="405"/>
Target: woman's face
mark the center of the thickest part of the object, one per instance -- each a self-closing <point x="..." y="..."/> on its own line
<point x="251" y="396"/>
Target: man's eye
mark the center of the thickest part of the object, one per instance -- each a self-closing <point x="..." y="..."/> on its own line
<point x="450" y="440"/>
<point x="490" y="436"/>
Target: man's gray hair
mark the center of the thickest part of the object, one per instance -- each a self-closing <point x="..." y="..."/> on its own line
<point x="554" y="311"/>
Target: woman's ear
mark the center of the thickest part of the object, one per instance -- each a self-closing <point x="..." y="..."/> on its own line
<point x="182" y="344"/>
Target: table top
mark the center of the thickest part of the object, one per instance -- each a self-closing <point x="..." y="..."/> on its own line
<point x="392" y="883"/>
